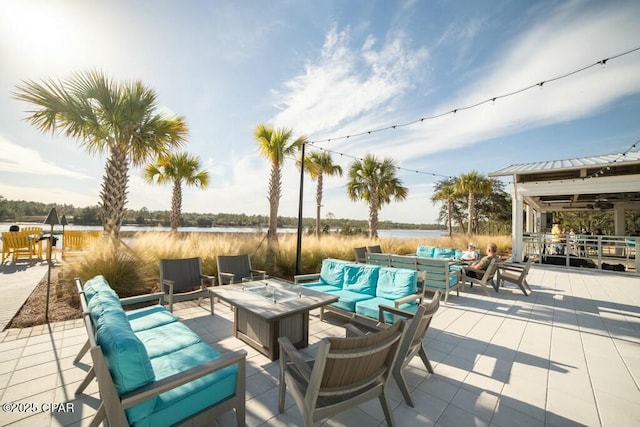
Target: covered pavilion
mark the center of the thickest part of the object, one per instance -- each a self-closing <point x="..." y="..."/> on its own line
<point x="607" y="182"/>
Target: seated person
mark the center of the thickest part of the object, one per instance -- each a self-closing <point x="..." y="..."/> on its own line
<point x="483" y="264"/>
<point x="471" y="254"/>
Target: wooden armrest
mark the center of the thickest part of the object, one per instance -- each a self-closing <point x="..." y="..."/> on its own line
<point x="143" y="298"/>
<point x="392" y="310"/>
<point x="473" y="269"/>
<point x="406" y="299"/>
<point x="211" y="279"/>
<point x="168" y="283"/>
<point x="291" y="354"/>
<point x="154" y="389"/>
<point x="258" y="272"/>
<point x="305" y="277"/>
<point x="511" y="267"/>
<point x="353" y="331"/>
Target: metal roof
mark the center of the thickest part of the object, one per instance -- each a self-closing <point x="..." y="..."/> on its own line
<point x="569" y="164"/>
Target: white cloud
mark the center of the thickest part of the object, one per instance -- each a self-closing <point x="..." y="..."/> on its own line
<point x="15" y="158"/>
<point x="345" y="83"/>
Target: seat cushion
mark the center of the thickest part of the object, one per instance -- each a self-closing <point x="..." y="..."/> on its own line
<point x="149" y="317"/>
<point x="320" y="287"/>
<point x="369" y="308"/>
<point x="394" y="283"/>
<point x="103" y="302"/>
<point x="167" y="338"/>
<point x="361" y="278"/>
<point x="184" y="401"/>
<point x="348" y="299"/>
<point x="332" y="272"/>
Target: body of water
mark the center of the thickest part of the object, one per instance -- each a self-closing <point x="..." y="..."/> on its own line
<point x="388" y="234"/>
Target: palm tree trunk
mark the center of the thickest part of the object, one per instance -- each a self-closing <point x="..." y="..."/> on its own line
<point x="318" y="204"/>
<point x="275" y="190"/>
<point x="470" y="227"/>
<point x="176" y="205"/>
<point x="114" y="191"/>
<point x="373" y="218"/>
<point x="449" y="217"/>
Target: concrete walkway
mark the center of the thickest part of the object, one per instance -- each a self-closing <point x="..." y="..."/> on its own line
<point x="17" y="282"/>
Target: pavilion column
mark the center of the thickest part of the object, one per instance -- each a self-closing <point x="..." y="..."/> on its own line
<point x="516" y="218"/>
<point x="618" y="219"/>
<point x="531" y="219"/>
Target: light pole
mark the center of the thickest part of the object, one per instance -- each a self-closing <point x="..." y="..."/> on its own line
<point x="52" y="219"/>
<point x="299" y="241"/>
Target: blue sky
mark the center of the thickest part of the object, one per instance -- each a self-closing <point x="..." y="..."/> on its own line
<point x="327" y="69"/>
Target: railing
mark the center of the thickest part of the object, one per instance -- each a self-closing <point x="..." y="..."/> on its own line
<point x="576" y="250"/>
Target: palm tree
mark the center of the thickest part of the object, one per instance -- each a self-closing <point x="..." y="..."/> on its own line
<point x="445" y="191"/>
<point x="276" y="145"/>
<point x="116" y="119"/>
<point x="375" y="182"/>
<point x="180" y="168"/>
<point x="317" y="165"/>
<point x="473" y="184"/>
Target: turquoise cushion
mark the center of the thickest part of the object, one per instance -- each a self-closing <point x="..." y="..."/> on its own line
<point x="348" y="299"/>
<point x="394" y="283"/>
<point x="182" y="402"/>
<point x="96" y="285"/>
<point x="369" y="308"/>
<point x="459" y="254"/>
<point x="425" y="251"/>
<point x="332" y="272"/>
<point x="101" y="303"/>
<point x="167" y="338"/>
<point x="149" y="317"/>
<point x="361" y="278"/>
<point x="317" y="286"/>
<point x="439" y="282"/>
<point x="125" y="354"/>
<point x="444" y="253"/>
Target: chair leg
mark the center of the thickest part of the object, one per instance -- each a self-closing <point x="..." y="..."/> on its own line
<point x="86" y="381"/>
<point x="425" y="360"/>
<point x="388" y="415"/>
<point x="282" y="388"/>
<point x="402" y="385"/>
<point x="99" y="416"/>
<point x="82" y="352"/>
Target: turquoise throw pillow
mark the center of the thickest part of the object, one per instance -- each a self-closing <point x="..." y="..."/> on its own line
<point x="361" y="278"/>
<point x="332" y="272"/>
<point x="394" y="283"/>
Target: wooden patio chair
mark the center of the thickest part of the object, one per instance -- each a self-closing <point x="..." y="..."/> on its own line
<point x="35" y="233"/>
<point x="376" y="249"/>
<point x="235" y="268"/>
<point x="485" y="280"/>
<point x="514" y="273"/>
<point x="345" y="373"/>
<point x="182" y="280"/>
<point x="413" y="342"/>
<point x="17" y="244"/>
<point x="360" y="254"/>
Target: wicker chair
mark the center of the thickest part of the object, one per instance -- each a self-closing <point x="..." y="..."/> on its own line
<point x="345" y="373"/>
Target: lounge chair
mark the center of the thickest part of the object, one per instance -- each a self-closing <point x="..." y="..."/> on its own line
<point x="413" y="342"/>
<point x="515" y="273"/>
<point x="345" y="373"/>
<point x="485" y="280"/>
<point x="235" y="268"/>
<point x="17" y="245"/>
<point x="182" y="280"/>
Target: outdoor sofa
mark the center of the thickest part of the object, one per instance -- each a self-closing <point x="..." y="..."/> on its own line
<point x="151" y="368"/>
<point x="362" y="288"/>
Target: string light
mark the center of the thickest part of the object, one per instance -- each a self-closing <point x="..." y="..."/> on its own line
<point x="607" y="167"/>
<point x="492" y="99"/>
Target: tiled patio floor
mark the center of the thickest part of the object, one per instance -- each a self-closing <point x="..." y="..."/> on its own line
<point x="567" y="355"/>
